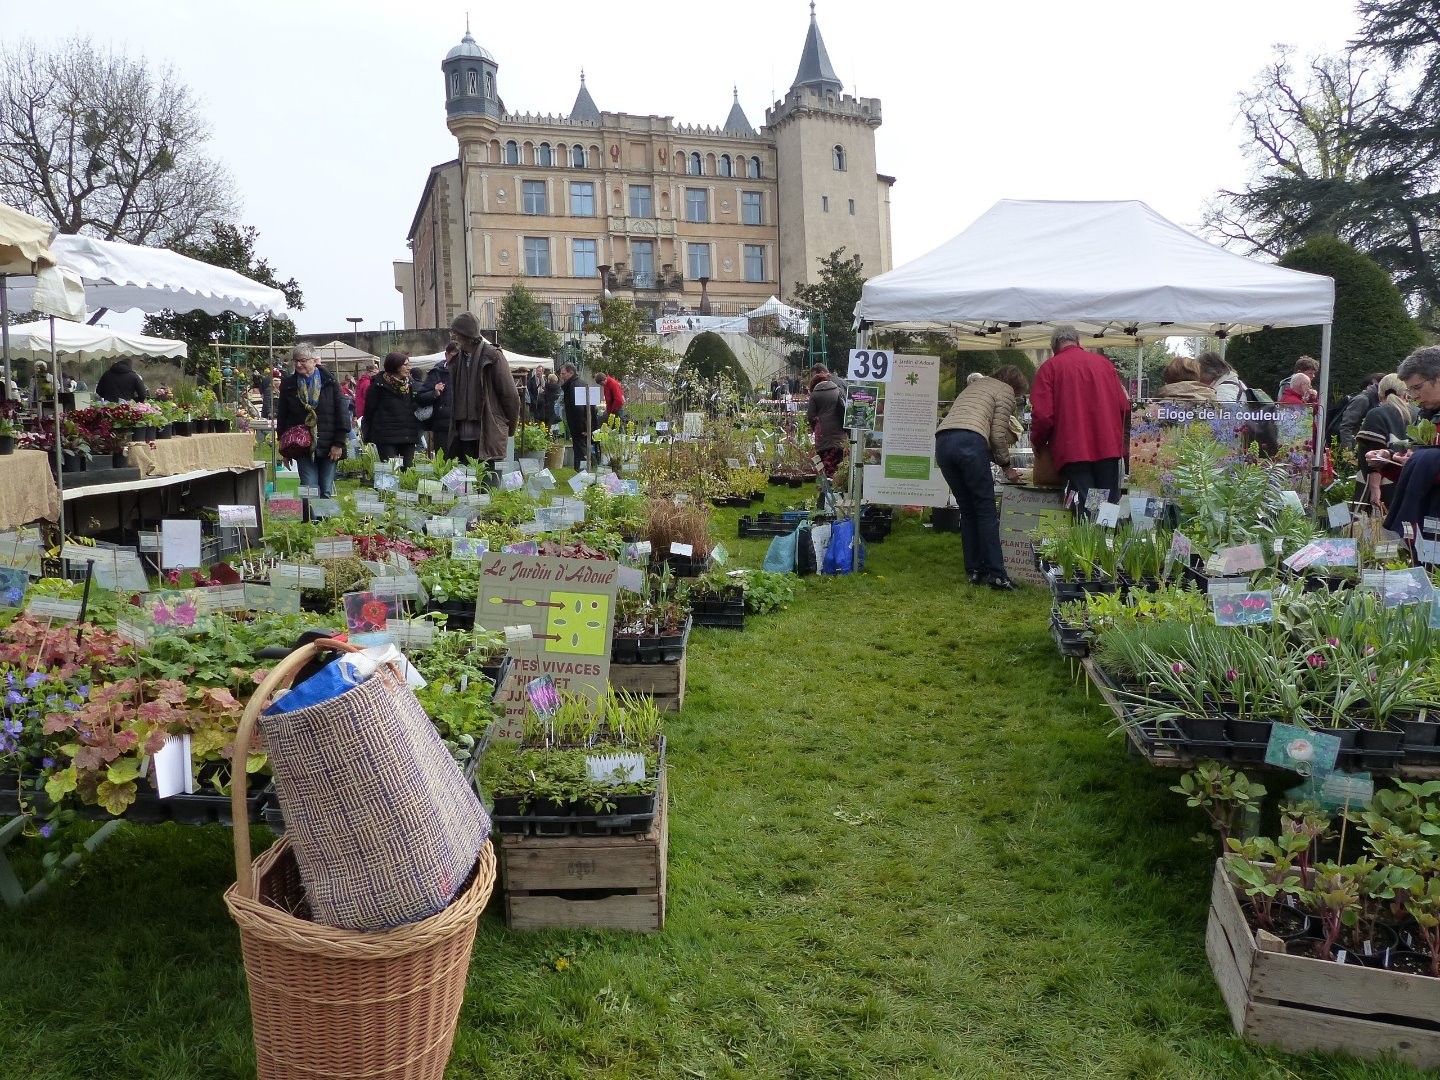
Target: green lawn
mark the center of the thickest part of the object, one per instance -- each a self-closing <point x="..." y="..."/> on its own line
<point x="903" y="844"/>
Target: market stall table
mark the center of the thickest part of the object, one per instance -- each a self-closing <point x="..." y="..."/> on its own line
<point x="170" y="457"/>
<point x="27" y="489"/>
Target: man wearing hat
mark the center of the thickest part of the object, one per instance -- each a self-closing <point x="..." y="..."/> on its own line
<point x="484" y="402"/>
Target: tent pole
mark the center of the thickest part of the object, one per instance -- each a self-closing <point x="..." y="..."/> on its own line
<point x="59" y="459"/>
<point x="5" y="331"/>
<point x="1318" y="439"/>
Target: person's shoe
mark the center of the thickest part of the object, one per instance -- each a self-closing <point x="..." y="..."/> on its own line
<point x="975" y="577"/>
<point x="1004" y="584"/>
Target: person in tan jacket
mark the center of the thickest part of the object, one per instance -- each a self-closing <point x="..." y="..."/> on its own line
<point x="1183" y="383"/>
<point x="975" y="432"/>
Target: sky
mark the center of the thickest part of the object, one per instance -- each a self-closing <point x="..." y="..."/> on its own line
<point x="329" y="115"/>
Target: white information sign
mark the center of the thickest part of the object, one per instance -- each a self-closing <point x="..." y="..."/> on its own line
<point x="908" y="475"/>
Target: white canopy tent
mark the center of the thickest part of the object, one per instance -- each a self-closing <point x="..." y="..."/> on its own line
<point x="1117" y="271"/>
<point x="74" y="341"/>
<point x="24" y="249"/>
<point x="515" y="359"/>
<point x="125" y="277"/>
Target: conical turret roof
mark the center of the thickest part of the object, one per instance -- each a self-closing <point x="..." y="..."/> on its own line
<point x="737" y="123"/>
<point x="815" y="69"/>
<point x="584" y="107"/>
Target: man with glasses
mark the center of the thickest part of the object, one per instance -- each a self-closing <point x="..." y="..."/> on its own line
<point x="310" y="396"/>
<point x="1416" y="496"/>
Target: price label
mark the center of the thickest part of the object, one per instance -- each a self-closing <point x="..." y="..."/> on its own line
<point x="871" y="365"/>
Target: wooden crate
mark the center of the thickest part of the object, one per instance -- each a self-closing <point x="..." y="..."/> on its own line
<point x="1298" y="1004"/>
<point x="663" y="682"/>
<point x="598" y="882"/>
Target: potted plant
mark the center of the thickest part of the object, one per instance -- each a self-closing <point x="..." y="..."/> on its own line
<point x="532" y="440"/>
<point x="8" y="432"/>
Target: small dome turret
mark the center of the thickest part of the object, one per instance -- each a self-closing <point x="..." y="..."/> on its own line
<point x="470" y="80"/>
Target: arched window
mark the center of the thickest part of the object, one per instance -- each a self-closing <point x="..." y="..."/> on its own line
<point x="577" y="156"/>
<point x="754" y="168"/>
<point x="838" y="155"/>
<point x="545" y="157"/>
<point x="512" y="153"/>
<point x="472" y="84"/>
<point x="695" y="166"/>
<point x="725" y="165"/>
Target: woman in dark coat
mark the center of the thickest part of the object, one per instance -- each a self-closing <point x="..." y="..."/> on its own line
<point x="310" y="395"/>
<point x="389" y="420"/>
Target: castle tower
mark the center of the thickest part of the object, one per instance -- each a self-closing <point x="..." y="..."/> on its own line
<point x="471" y="100"/>
<point x="830" y="194"/>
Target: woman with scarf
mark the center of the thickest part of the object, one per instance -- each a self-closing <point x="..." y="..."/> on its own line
<point x="389" y="420"/>
<point x="311" y="397"/>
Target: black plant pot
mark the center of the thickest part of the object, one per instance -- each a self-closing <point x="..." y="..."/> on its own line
<point x="183" y="428"/>
<point x="1250" y="737"/>
<point x="7" y="445"/>
<point x="1381" y="749"/>
<point x="164" y="431"/>
<point x="220" y="427"/>
<point x="945" y="519"/>
<point x="1420" y="734"/>
<point x="119" y="460"/>
<point x="1415" y="963"/>
<point x="72" y="463"/>
<point x="1201" y="728"/>
<point x="1289" y="924"/>
<point x="624" y="649"/>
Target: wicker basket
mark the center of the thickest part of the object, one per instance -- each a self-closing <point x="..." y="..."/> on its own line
<point x="339" y="1004"/>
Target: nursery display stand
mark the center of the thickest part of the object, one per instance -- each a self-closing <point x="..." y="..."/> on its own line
<point x="1300" y="1004"/>
<point x="598" y="882"/>
<point x="663" y="682"/>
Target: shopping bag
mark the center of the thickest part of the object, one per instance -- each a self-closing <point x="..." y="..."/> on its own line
<point x="819" y="541"/>
<point x="780" y="558"/>
<point x="838" y="551"/>
<point x="1044" y="473"/>
<point x="385" y="828"/>
<point x="805" y="559"/>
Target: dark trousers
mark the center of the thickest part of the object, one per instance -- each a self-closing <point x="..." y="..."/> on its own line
<point x="463" y="450"/>
<point x="582" y="448"/>
<point x="964" y="460"/>
<point x="1081" y="476"/>
<point x="404" y="451"/>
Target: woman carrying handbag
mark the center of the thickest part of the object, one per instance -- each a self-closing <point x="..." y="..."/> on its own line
<point x="312" y="421"/>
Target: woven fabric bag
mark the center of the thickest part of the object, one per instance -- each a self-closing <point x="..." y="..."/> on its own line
<point x="385" y="828"/>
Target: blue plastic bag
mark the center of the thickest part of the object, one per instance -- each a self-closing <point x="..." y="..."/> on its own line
<point x="780" y="558"/>
<point x="837" y="552"/>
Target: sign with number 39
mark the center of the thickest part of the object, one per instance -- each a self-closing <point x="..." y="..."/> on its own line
<point x="870" y="365"/>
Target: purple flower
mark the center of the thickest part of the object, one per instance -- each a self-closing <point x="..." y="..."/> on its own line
<point x="46" y="830"/>
<point x="1315" y="660"/>
<point x="83" y="690"/>
<point x="14" y="697"/>
<point x="1333" y="642"/>
<point x="1177" y="667"/>
<point x="33" y="680"/>
<point x="47" y="763"/>
<point x="1231" y="674"/>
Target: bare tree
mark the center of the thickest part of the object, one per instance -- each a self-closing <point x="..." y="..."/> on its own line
<point x="1306" y="131"/>
<point x="102" y="144"/>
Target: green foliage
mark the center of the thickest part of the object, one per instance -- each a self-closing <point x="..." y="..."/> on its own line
<point x="623" y="350"/>
<point x="766" y="591"/>
<point x="708" y="358"/>
<point x="1373" y="331"/>
<point x="1226" y="796"/>
<point x="521" y="327"/>
<point x="233" y="248"/>
<point x="834" y="296"/>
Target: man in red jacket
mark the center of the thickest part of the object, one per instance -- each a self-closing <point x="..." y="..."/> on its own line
<point x="614" y="394"/>
<point x="1078" y="409"/>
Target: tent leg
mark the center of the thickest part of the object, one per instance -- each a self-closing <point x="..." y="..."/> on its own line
<point x="1318" y="447"/>
<point x="5" y="332"/>
<point x="59" y="459"/>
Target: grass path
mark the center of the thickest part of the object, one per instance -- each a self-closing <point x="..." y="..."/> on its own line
<point x="902" y="845"/>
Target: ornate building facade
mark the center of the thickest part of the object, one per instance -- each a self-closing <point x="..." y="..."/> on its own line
<point x="672" y="217"/>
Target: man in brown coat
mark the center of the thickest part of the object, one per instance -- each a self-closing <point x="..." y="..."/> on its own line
<point x="485" y="404"/>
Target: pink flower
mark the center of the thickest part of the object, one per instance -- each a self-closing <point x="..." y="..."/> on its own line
<point x="1333" y="642"/>
<point x="1231" y="674"/>
<point x="1178" y="668"/>
<point x="1369" y="650"/>
<point x="1315" y="660"/>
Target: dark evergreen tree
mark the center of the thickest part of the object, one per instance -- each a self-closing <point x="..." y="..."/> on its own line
<point x="708" y="357"/>
<point x="522" y="327"/>
<point x="834" y="296"/>
<point x="1372" y="329"/>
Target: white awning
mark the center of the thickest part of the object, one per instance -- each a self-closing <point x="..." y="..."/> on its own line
<point x="125" y="277"/>
<point x="1111" y="269"/>
<point x="75" y="341"/>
